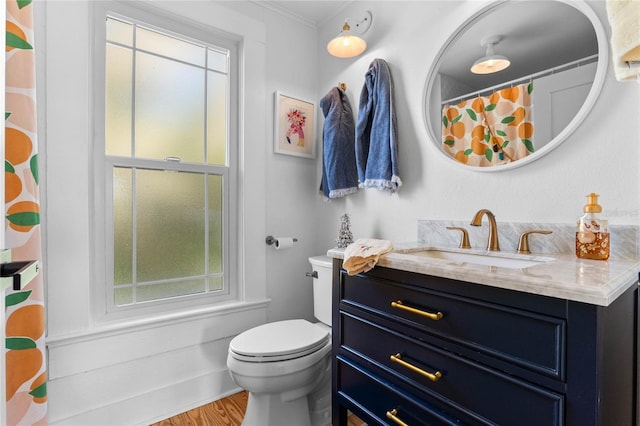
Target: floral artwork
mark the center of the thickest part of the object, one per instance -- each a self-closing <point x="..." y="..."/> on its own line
<point x="490" y="130"/>
<point x="294" y="127"/>
<point x="297" y="120"/>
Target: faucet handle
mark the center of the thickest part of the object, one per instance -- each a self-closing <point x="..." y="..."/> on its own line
<point x="523" y="245"/>
<point x="464" y="242"/>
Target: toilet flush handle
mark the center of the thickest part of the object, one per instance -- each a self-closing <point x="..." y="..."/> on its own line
<point x="313" y="274"/>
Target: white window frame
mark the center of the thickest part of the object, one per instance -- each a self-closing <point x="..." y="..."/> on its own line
<point x="102" y="291"/>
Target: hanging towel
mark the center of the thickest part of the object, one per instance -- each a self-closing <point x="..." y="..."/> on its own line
<point x="376" y="132"/>
<point x="339" y="173"/>
<point x="624" y="19"/>
<point x="363" y="254"/>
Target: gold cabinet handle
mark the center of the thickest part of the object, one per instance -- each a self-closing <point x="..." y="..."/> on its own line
<point x="393" y="415"/>
<point x="434" y="377"/>
<point x="398" y="304"/>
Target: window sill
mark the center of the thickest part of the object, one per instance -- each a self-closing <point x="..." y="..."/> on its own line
<point x="106" y="329"/>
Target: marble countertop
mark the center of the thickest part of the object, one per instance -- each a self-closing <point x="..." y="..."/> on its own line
<point x="595" y="282"/>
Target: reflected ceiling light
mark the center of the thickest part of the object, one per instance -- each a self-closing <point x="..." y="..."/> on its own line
<point x="346" y="44"/>
<point x="490" y="62"/>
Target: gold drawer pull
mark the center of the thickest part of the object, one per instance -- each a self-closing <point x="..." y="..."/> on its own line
<point x="398" y="304"/>
<point x="392" y="415"/>
<point x="434" y="377"/>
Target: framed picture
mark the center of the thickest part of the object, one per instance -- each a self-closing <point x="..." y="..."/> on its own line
<point x="294" y="127"/>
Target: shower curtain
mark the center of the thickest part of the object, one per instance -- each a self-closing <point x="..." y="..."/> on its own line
<point x="25" y="382"/>
<point x="490" y="130"/>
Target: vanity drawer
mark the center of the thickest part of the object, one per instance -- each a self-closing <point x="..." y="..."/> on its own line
<point x="367" y="393"/>
<point x="533" y="341"/>
<point x="479" y="391"/>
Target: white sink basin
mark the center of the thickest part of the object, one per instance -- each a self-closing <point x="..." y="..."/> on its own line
<point x="505" y="260"/>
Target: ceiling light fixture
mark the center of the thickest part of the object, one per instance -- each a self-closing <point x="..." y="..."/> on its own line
<point x="491" y="62"/>
<point x="348" y="45"/>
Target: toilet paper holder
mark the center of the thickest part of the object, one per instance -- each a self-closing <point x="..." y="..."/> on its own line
<point x="271" y="240"/>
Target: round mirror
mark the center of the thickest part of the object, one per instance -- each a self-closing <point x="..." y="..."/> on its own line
<point x="495" y="118"/>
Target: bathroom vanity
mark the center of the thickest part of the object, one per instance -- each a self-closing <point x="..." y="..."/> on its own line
<point x="423" y="341"/>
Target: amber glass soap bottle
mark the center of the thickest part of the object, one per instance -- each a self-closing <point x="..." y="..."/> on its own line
<point x="592" y="236"/>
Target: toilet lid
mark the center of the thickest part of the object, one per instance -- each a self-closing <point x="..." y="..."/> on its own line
<point x="279" y="340"/>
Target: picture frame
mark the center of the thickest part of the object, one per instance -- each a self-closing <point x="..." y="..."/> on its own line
<point x="294" y="126"/>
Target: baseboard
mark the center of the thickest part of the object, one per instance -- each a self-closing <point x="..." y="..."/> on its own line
<point x="160" y="404"/>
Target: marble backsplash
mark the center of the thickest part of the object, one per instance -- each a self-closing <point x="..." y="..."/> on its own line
<point x="623" y="238"/>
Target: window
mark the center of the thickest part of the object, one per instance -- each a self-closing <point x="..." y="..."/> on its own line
<point x="169" y="162"/>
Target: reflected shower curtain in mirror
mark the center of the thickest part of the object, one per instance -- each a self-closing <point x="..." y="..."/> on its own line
<point x="490" y="130"/>
<point x="26" y="389"/>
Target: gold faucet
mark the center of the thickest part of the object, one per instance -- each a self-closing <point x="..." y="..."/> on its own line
<point x="464" y="242"/>
<point x="492" y="244"/>
<point x="523" y="244"/>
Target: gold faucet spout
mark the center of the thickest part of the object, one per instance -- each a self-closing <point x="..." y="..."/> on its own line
<point x="492" y="243"/>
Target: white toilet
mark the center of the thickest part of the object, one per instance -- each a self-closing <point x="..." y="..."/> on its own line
<point x="286" y="365"/>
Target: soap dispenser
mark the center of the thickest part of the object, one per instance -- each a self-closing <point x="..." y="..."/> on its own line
<point x="592" y="236"/>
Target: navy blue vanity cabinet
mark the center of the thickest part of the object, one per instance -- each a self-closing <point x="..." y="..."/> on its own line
<point x="422" y="350"/>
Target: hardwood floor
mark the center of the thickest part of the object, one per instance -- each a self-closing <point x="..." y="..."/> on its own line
<point x="225" y="412"/>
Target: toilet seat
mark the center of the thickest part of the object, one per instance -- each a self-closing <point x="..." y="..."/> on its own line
<point x="279" y="341"/>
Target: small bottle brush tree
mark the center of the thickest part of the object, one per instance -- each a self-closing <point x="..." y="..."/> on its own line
<point x="344" y="237"/>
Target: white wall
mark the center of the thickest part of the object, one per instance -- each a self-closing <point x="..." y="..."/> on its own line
<point x="138" y="371"/>
<point x="291" y="184"/>
<point x="601" y="156"/>
<point x="135" y="373"/>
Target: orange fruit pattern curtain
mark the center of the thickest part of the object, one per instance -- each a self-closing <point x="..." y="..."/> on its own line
<point x="490" y="130"/>
<point x="26" y="388"/>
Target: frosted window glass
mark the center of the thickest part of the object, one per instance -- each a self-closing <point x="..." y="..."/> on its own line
<point x="218" y="60"/>
<point x="119" y="32"/>
<point x="217" y="119"/>
<point x="170" y="224"/>
<point x="123" y="296"/>
<point x="167" y="96"/>
<point x="165" y="290"/>
<point x="169" y="109"/>
<point x="169" y="46"/>
<point x="215" y="224"/>
<point x="215" y="284"/>
<point x="122" y="224"/>
<point x="118" y="98"/>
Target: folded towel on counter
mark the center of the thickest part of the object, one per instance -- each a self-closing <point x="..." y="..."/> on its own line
<point x="363" y="254"/>
<point x="339" y="173"/>
<point x="376" y="131"/>
<point x="624" y="19"/>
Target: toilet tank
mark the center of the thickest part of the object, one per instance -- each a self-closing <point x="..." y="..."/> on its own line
<point x="322" y="265"/>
